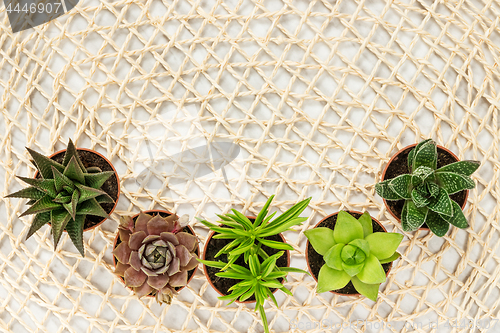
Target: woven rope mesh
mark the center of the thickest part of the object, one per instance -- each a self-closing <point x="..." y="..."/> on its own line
<point x="317" y="95"/>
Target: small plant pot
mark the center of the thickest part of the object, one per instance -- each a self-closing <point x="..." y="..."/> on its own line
<point x="315" y="260"/>
<point x="221" y="285"/>
<point x="111" y="186"/>
<point x="188" y="229"/>
<point x="398" y="165"/>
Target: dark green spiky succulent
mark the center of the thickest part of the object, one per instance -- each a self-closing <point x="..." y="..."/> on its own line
<point x="426" y="190"/>
<point x="64" y="195"/>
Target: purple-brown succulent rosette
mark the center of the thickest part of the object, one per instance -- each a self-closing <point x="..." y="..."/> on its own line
<point x="155" y="254"/>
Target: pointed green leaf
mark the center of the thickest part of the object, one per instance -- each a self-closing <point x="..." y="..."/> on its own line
<point x="43" y="164"/>
<point x="263" y="212"/>
<point x="362" y="244"/>
<point x="465" y="168"/>
<point x="87" y="193"/>
<point x="390" y="259"/>
<point x="400" y="185"/>
<point x="411" y="155"/>
<point x="441" y="204"/>
<point x="59" y="218"/>
<point x="60" y="180"/>
<point x="282" y="227"/>
<point x="332" y="257"/>
<point x="271" y="295"/>
<point x="454" y="182"/>
<point x="416" y="180"/>
<point x="73" y="171"/>
<point x="415" y="216"/>
<point x="69" y="189"/>
<point x="247" y="294"/>
<point x="44" y="204"/>
<point x="433" y="189"/>
<point x="62" y="198"/>
<point x="71" y="151"/>
<point x="418" y="199"/>
<point x="331" y="279"/>
<point x="44" y="185"/>
<point x="93" y="169"/>
<point x="321" y="239"/>
<point x="264" y="318"/>
<point x="384" y="244"/>
<point x="436" y="224"/>
<point x="426" y="155"/>
<point x="458" y="219"/>
<point x="368" y="290"/>
<point x="425" y="173"/>
<point x="39" y="221"/>
<point x="275" y="245"/>
<point x="384" y="190"/>
<point x="291" y="213"/>
<point x="347" y="228"/>
<point x="74" y="202"/>
<point x="214" y="264"/>
<point x="272" y="284"/>
<point x="105" y="198"/>
<point x="352" y="270"/>
<point x="91" y="207"/>
<point x="404" y="218"/>
<point x="96" y="180"/>
<point x="292" y="270"/>
<point x="372" y="271"/>
<point x="366" y="223"/>
<point x="28" y="193"/>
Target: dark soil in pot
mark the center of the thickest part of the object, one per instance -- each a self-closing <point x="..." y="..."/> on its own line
<point x="315" y="260"/>
<point x="187" y="229"/>
<point x="398" y="165"/>
<point x="222" y="285"/>
<point x="91" y="158"/>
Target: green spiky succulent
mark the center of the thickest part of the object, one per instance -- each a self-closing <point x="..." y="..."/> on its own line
<point x="426" y="190"/>
<point x="64" y="195"/>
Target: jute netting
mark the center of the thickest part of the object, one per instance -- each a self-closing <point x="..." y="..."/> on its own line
<point x="316" y="95"/>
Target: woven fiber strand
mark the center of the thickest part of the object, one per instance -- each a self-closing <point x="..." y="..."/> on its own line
<point x="318" y="95"/>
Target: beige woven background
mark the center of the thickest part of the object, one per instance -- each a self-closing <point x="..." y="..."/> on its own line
<point x="318" y="95"/>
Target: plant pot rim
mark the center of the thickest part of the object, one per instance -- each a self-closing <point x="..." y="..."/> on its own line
<point x="209" y="237"/>
<point x="307" y="245"/>
<point x="400" y="152"/>
<point x="117" y="181"/>
<point x="157" y="211"/>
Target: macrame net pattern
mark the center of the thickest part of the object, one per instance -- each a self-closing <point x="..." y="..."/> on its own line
<point x="317" y="95"/>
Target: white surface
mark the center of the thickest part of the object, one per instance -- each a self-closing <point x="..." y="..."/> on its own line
<point x="317" y="148"/>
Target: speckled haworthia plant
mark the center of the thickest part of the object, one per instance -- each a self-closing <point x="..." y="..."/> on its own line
<point x="427" y="190"/>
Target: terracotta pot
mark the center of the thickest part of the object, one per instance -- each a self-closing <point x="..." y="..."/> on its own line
<point x="405" y="152"/>
<point x="210" y="235"/>
<point x="94" y="225"/>
<point x="310" y="248"/>
<point x="163" y="213"/>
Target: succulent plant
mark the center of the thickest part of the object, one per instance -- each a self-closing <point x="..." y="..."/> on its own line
<point x="64" y="195"/>
<point x="155" y="255"/>
<point x="256" y="281"/>
<point x="426" y="190"/>
<point x="248" y="237"/>
<point x="353" y="252"/>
